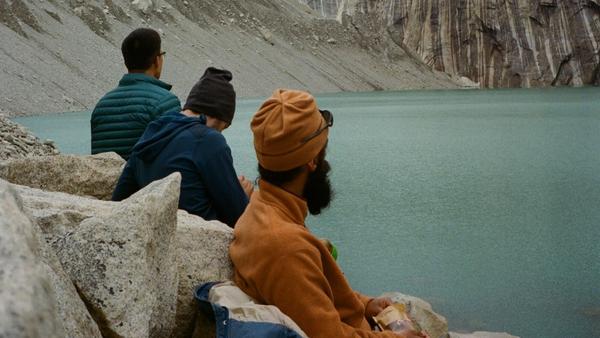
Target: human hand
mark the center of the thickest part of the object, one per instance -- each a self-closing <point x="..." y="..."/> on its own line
<point x="411" y="334"/>
<point x="247" y="186"/>
<point x="376" y="305"/>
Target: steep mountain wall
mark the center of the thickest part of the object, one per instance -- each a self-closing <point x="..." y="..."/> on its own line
<point x="498" y="43"/>
<point x="63" y="55"/>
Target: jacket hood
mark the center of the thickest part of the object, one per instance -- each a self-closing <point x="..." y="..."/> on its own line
<point x="161" y="131"/>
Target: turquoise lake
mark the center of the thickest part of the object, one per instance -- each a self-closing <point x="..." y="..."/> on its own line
<point x="484" y="203"/>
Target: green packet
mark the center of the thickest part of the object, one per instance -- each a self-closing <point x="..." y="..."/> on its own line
<point x="332" y="249"/>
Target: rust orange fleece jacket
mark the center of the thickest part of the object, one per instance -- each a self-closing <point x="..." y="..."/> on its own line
<point x="279" y="262"/>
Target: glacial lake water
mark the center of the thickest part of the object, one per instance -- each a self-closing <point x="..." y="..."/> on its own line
<point x="484" y="203"/>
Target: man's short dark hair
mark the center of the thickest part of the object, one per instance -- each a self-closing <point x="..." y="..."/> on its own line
<point x="140" y="48"/>
<point x="279" y="178"/>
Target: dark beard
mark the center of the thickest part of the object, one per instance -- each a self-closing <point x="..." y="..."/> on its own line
<point x="318" y="191"/>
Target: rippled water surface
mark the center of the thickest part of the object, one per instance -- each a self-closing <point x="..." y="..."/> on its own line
<point x="484" y="203"/>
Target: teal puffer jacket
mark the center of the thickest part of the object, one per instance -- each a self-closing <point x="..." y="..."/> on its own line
<point x="121" y="116"/>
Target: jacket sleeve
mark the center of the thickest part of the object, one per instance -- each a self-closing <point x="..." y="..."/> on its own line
<point x="363" y="299"/>
<point x="297" y="286"/>
<point x="167" y="104"/>
<point x="221" y="181"/>
<point x="127" y="185"/>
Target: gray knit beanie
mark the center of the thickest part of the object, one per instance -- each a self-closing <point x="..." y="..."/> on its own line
<point x="213" y="95"/>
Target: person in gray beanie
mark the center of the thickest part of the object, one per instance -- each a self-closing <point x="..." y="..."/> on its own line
<point x="191" y="142"/>
<point x="213" y="95"/>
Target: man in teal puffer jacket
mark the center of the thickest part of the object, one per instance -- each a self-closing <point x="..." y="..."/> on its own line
<point x="121" y="116"/>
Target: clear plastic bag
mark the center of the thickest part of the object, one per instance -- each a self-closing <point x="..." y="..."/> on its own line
<point x="395" y="318"/>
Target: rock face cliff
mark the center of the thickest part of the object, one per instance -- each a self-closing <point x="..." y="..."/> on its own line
<point x="64" y="55"/>
<point x="497" y="43"/>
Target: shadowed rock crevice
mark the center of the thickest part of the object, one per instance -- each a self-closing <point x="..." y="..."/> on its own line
<point x="53" y="15"/>
<point x="563" y="77"/>
<point x="597" y="75"/>
<point x="98" y="315"/>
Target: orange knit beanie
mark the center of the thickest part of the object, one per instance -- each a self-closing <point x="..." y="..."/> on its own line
<point x="280" y="127"/>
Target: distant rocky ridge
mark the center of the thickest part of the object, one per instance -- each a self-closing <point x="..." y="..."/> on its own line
<point x="496" y="43"/>
<point x="60" y="55"/>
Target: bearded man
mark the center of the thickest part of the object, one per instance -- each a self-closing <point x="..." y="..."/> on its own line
<point x="277" y="260"/>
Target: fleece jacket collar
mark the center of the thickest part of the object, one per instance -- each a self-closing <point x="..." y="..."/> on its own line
<point x="291" y="205"/>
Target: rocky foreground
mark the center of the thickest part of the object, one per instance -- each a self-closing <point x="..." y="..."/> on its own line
<point x="74" y="264"/>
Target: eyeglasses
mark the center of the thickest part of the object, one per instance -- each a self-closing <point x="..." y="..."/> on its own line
<point x="328" y="117"/>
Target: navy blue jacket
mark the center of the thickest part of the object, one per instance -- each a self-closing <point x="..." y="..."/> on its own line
<point x="175" y="142"/>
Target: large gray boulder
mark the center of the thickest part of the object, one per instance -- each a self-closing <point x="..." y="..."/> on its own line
<point x="123" y="262"/>
<point x="92" y="175"/>
<point x="202" y="256"/>
<point x="33" y="286"/>
<point x="421" y="311"/>
<point x="202" y="246"/>
<point x="26" y="295"/>
<point x="58" y="213"/>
